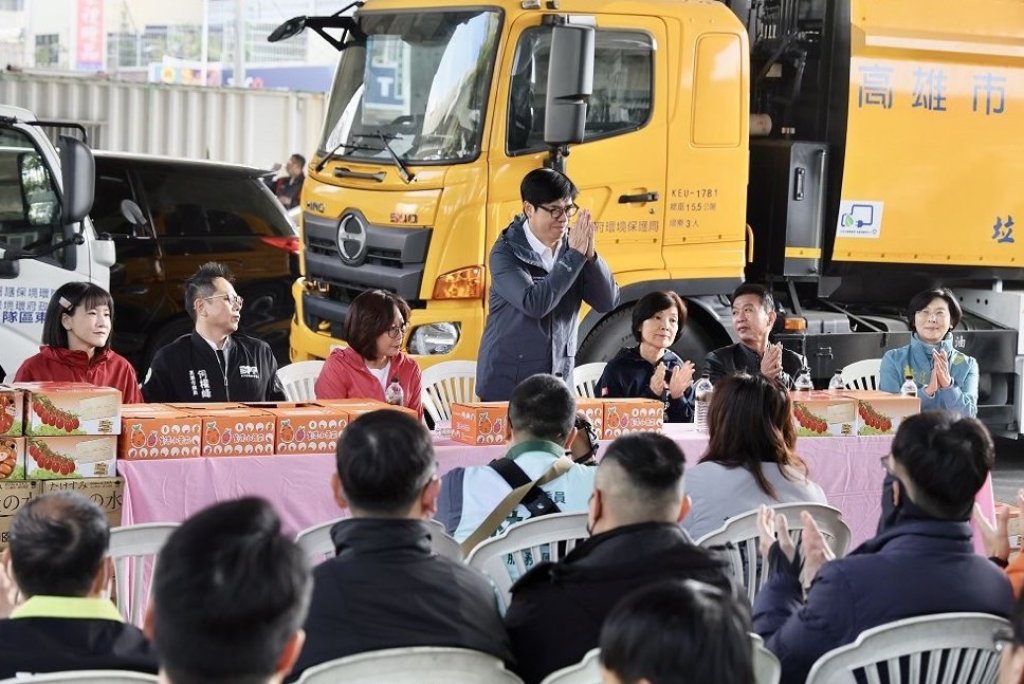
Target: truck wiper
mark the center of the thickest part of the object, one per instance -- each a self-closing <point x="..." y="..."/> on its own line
<point x="16" y="253"/>
<point x="403" y="170"/>
<point x="330" y="155"/>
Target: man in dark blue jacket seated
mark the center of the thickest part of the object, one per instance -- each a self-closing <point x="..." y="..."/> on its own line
<point x="58" y="559"/>
<point x="922" y="563"/>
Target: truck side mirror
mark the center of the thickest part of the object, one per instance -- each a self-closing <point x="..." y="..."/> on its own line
<point x="133" y="214"/>
<point x="78" y="172"/>
<point x="570" y="83"/>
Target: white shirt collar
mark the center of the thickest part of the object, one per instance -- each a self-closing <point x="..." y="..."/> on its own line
<point x="546" y="254"/>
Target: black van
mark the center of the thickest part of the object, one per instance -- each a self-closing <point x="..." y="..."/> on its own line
<point x="197" y="211"/>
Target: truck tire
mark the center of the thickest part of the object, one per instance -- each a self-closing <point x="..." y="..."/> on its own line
<point x="614" y="333"/>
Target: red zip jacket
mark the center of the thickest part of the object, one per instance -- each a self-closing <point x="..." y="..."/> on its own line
<point x="345" y="376"/>
<point x="107" y="368"/>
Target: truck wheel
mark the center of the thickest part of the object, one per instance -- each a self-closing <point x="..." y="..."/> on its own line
<point x="614" y="333"/>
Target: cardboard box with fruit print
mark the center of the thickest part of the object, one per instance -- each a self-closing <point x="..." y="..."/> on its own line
<point x="73" y="456"/>
<point x="623" y="416"/>
<point x="14" y="494"/>
<point x="824" y="414"/>
<point x="307" y="428"/>
<point x="12" y="411"/>
<point x="880" y="413"/>
<point x="150" y="431"/>
<point x="357" y="407"/>
<point x="71" y="408"/>
<point x="480" y="423"/>
<point x="231" y="429"/>
<point x="12" y="458"/>
<point x="593" y="409"/>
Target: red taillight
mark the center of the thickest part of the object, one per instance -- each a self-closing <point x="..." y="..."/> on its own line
<point x="288" y="243"/>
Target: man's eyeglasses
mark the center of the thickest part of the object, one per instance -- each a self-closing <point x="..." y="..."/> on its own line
<point x="560" y="212"/>
<point x="234" y="301"/>
<point x="1002" y="639"/>
<point x="397" y="331"/>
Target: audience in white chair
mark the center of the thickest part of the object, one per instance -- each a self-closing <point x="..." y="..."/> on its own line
<point x="58" y="560"/>
<point x="229" y="596"/>
<point x="751" y="457"/>
<point x="1011" y="646"/>
<point x="557" y="609"/>
<point x="677" y="632"/>
<point x="385" y="589"/>
<point x="923" y="562"/>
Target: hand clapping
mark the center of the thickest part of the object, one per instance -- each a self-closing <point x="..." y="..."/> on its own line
<point x="581" y="236"/>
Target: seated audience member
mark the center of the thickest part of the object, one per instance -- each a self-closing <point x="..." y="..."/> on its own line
<point x="76" y="343"/>
<point x="650" y="369"/>
<point x="751" y="458"/>
<point x="58" y="560"/>
<point x="946" y="378"/>
<point x="1011" y="647"/>
<point x="542" y="415"/>
<point x="374" y="329"/>
<point x="923" y="564"/>
<point x="214" y="362"/>
<point x="753" y="315"/>
<point x="229" y="596"/>
<point x="557" y="609"/>
<point x="677" y="632"/>
<point x="997" y="542"/>
<point x="385" y="589"/>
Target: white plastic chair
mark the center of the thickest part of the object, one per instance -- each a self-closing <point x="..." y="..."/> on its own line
<point x="914" y="650"/>
<point x="445" y="383"/>
<point x="767" y="668"/>
<point x="317" y="545"/>
<point x="862" y="375"/>
<point x="412" y="665"/>
<point x="585" y="378"/>
<point x="298" y="379"/>
<point x="130" y="547"/>
<point x="508" y="556"/>
<point x="738" y="537"/>
<point x="587" y="671"/>
<point x="71" y="676"/>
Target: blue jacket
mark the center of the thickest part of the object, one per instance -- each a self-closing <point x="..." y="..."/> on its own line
<point x="532" y="324"/>
<point x="917" y="567"/>
<point x="629" y="375"/>
<point x="916" y="359"/>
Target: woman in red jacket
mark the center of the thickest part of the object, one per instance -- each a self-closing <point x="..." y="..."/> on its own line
<point x="374" y="329"/>
<point x="76" y="343"/>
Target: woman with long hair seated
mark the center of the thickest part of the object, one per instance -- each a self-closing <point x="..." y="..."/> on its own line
<point x="76" y="343"/>
<point x="750" y="459"/>
<point x="374" y="329"/>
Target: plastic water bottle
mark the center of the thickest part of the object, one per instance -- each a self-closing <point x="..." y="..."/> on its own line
<point x="702" y="395"/>
<point x="836" y="384"/>
<point x="394" y="394"/>
<point x="803" y="380"/>
<point x="909" y="388"/>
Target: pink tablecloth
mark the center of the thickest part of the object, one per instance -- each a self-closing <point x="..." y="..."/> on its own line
<point x="847" y="468"/>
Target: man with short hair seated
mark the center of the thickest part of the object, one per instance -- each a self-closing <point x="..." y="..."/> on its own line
<point x="229" y="596"/>
<point x="557" y="609"/>
<point x="542" y="415"/>
<point x="386" y="588"/>
<point x="922" y="563"/>
<point x="58" y="559"/>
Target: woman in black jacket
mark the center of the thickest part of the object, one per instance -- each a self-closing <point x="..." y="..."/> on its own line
<point x="650" y="370"/>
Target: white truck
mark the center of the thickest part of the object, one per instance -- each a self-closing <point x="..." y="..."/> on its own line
<point x="46" y="238"/>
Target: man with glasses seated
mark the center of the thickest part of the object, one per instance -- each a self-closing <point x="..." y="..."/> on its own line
<point x="214" y="362"/>
<point x="541" y="272"/>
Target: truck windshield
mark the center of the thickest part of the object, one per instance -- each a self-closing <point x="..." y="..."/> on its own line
<point x="421" y="80"/>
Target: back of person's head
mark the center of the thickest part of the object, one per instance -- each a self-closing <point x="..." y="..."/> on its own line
<point x="767" y="300"/>
<point x="299" y="159"/>
<point x="640" y="479"/>
<point x="542" y="407"/>
<point x="921" y="300"/>
<point x="230" y="595"/>
<point x="58" y="543"/>
<point x="678" y="632"/>
<point x="385" y="459"/>
<point x="65" y="300"/>
<point x="750" y="422"/>
<point x="542" y="186"/>
<point x="653" y="302"/>
<point x="946" y="458"/>
<point x="369" y="316"/>
<point x="200" y="284"/>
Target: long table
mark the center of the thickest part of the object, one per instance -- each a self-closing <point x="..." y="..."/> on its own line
<point x="847" y="468"/>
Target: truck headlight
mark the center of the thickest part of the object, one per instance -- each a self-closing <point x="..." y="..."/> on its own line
<point x="434" y="338"/>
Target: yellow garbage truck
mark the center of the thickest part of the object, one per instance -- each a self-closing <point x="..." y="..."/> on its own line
<point x="848" y="152"/>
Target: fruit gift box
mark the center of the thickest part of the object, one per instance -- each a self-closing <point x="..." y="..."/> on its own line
<point x="71" y="408"/>
<point x="880" y="413"/>
<point x="593" y="409"/>
<point x="480" y="423"/>
<point x="824" y="414"/>
<point x="150" y="431"/>
<point x="12" y="458"/>
<point x="12" y="411"/>
<point x="305" y="427"/>
<point x="232" y="429"/>
<point x="623" y="416"/>
<point x="51" y="458"/>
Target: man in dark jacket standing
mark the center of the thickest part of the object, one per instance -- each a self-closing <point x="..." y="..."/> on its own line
<point x="214" y="362"/>
<point x="385" y="589"/>
<point x="541" y="271"/>
<point x="557" y="609"/>
<point x="923" y="563"/>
